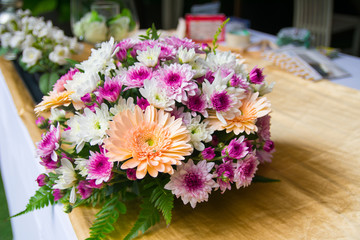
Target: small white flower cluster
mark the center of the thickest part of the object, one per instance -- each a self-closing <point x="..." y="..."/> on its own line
<point x="37" y="40"/>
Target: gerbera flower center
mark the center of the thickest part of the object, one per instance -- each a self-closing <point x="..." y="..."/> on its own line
<point x="193" y="181"/>
<point x="221" y="101"/>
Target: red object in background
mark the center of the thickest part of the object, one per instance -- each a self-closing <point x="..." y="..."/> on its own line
<point x="202" y="28"/>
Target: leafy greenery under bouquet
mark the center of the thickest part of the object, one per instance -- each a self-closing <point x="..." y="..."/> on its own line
<point x="39" y="46"/>
<point x="151" y="119"/>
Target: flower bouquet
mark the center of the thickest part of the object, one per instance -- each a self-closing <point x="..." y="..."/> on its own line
<point x="151" y="119"/>
<point x="41" y="47"/>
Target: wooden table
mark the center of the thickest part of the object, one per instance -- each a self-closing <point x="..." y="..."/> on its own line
<point x="316" y="129"/>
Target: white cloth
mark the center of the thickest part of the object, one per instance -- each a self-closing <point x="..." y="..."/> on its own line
<point x="19" y="169"/>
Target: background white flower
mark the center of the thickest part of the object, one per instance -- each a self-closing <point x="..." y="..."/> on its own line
<point x="30" y="56"/>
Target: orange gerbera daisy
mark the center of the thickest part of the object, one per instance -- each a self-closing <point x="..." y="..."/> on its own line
<point x="55" y="99"/>
<point x="252" y="108"/>
<point x="151" y="141"/>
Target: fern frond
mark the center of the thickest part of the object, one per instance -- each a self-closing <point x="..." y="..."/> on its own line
<point x="106" y="218"/>
<point x="148" y="217"/>
<point x="163" y="200"/>
<point x="42" y="198"/>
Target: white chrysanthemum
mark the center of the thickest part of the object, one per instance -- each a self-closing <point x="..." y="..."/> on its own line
<point x="122" y="105"/>
<point x="225" y="100"/>
<point x="57" y="114"/>
<point x="199" y="133"/>
<point x="67" y="178"/>
<point x="186" y="55"/>
<point x="156" y="95"/>
<point x="149" y="57"/>
<point x="82" y="165"/>
<point x="101" y="59"/>
<point x="263" y="89"/>
<point x="198" y="67"/>
<point x="59" y="55"/>
<point x="82" y="84"/>
<point x="73" y="134"/>
<point x="67" y="175"/>
<point x="94" y="125"/>
<point x="221" y="59"/>
<point x="30" y="56"/>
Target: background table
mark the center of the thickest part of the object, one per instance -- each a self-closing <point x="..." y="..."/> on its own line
<point x="315" y="126"/>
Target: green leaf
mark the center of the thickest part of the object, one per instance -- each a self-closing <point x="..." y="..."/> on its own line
<point x="148" y="217"/>
<point x="42" y="198"/>
<point x="163" y="200"/>
<point x="95" y="17"/>
<point x="44" y="82"/>
<point x="106" y="218"/>
<point x="47" y="80"/>
<point x="3" y="51"/>
<point x="259" y="178"/>
<point x="40" y="6"/>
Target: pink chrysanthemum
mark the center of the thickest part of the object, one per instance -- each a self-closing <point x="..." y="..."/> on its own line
<point x="48" y="163"/>
<point x="193" y="183"/>
<point x="49" y="143"/>
<point x="99" y="167"/>
<point x="135" y="76"/>
<point x="84" y="190"/>
<point x="208" y="153"/>
<point x="264" y="156"/>
<point x="92" y="184"/>
<point x="59" y="85"/>
<point x="177" y="80"/>
<point x="245" y="171"/>
<point x="269" y="146"/>
<point x="263" y="125"/>
<point x="184" y="42"/>
<point x="256" y="75"/>
<point x="225" y="175"/>
<point x="111" y="90"/>
<point x="167" y="52"/>
<point x="197" y="103"/>
<point x="236" y="149"/>
<point x="42" y="123"/>
<point x="143" y="45"/>
<point x="235" y="80"/>
<point x="124" y="46"/>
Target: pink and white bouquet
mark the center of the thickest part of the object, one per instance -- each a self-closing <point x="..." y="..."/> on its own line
<point x="151" y="119"/>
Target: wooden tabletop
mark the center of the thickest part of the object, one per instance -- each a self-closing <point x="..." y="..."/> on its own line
<point x="316" y="130"/>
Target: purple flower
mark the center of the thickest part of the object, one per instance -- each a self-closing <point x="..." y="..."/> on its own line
<point x="135" y="76"/>
<point x="131" y="174"/>
<point x="256" y="76"/>
<point x="142" y="103"/>
<point x="123" y="46"/>
<point x="263" y="125"/>
<point x="48" y="163"/>
<point x="92" y="184"/>
<point x="221" y="101"/>
<point x="209" y="75"/>
<point x="49" y="143"/>
<point x="121" y="54"/>
<point x="84" y="190"/>
<point x="57" y="194"/>
<point x="42" y="123"/>
<point x="197" y="103"/>
<point x="167" y="52"/>
<point x="42" y="179"/>
<point x="237" y="148"/>
<point x="177" y="80"/>
<point x="269" y="146"/>
<point x="184" y="42"/>
<point x="215" y="140"/>
<point x="245" y="171"/>
<point x="208" y="153"/>
<point x="264" y="156"/>
<point x="110" y="91"/>
<point x="225" y="175"/>
<point x="193" y="183"/>
<point x="88" y="98"/>
<point x="99" y="167"/>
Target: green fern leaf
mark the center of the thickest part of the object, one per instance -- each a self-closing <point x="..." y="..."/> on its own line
<point x="106" y="218"/>
<point x="148" y="217"/>
<point x="163" y="200"/>
<point x="42" y="198"/>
